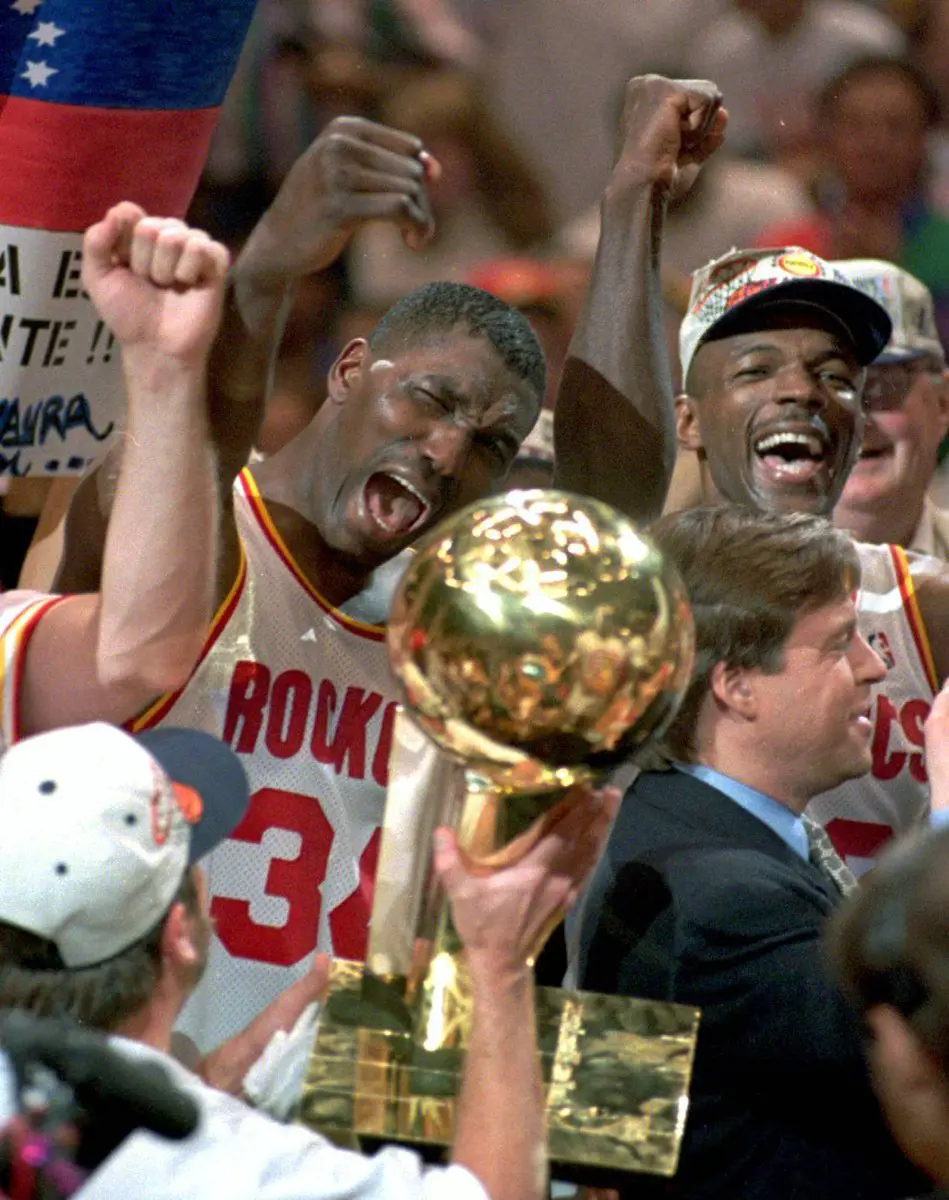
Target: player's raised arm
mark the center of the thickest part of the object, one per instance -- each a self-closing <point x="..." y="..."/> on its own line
<point x="158" y="285"/>
<point x="614" y="427"/>
<point x="355" y="172"/>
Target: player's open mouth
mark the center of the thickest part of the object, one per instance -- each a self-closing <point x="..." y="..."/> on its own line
<point x="395" y="506"/>
<point x="792" y="455"/>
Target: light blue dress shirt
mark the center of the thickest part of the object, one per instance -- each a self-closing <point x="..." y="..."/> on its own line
<point x="786" y="824"/>
<point x="777" y="816"/>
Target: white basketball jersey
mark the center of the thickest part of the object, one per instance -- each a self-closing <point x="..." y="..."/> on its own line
<point x="20" y="613"/>
<point x="301" y="692"/>
<point x="862" y="815"/>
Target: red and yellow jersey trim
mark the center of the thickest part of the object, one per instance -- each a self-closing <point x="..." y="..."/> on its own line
<point x="163" y="705"/>
<point x="14" y="644"/>
<point x="375" y="633"/>
<point x="914" y="617"/>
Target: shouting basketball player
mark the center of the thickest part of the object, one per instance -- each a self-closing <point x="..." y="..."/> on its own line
<point x="424" y="416"/>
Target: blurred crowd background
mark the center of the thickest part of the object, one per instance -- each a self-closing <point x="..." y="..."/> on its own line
<point x="838" y="141"/>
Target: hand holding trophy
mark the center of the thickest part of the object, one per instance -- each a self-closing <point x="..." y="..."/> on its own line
<point x="539" y="639"/>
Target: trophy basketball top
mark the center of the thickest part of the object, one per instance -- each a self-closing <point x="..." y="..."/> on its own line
<point x="540" y="638"/>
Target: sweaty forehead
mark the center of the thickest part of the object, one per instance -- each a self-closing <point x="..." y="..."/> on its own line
<point x="468" y="369"/>
<point x="784" y="329"/>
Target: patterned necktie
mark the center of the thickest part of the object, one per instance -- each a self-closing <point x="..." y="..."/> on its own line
<point x="826" y="859"/>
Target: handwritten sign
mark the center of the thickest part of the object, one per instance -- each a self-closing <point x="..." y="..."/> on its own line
<point x="61" y="392"/>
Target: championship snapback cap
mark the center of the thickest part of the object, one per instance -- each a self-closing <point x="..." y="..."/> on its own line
<point x="727" y="289"/>
<point x="97" y="830"/>
<point x="909" y="304"/>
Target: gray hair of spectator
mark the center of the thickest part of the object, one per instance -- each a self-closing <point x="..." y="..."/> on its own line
<point x="889" y="944"/>
<point x="438" y="308"/>
<point x="104" y="996"/>
<point x="750" y="577"/>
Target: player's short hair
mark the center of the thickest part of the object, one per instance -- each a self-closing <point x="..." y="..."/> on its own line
<point x="749" y="576"/>
<point x="889" y="944"/>
<point x="34" y="977"/>
<point x="442" y="307"/>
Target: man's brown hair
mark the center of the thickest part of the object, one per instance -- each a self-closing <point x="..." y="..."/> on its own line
<point x="33" y="976"/>
<point x="749" y="577"/>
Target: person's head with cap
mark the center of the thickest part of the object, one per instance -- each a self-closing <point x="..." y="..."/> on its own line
<point x="907" y="401"/>
<point x="774" y="347"/>
<point x="102" y="910"/>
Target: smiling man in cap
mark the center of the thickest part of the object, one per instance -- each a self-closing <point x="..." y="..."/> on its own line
<point x="774" y="348"/>
<point x="907" y="401"/>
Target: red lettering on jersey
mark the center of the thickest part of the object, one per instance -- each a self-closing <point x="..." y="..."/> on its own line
<point x="349" y="920"/>
<point x="285" y="738"/>
<point x="887" y="764"/>
<point x="325" y="707"/>
<point x="350" y="740"/>
<point x="858" y="839"/>
<point x="250" y="686"/>
<point x="380" y="761"/>
<point x="912" y="715"/>
<point x="296" y="880"/>
<point x="284" y="711"/>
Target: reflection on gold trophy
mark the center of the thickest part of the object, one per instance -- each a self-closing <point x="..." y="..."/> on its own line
<point x="538" y="639"/>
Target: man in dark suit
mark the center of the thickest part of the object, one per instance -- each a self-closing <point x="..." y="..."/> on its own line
<point x="714" y="890"/>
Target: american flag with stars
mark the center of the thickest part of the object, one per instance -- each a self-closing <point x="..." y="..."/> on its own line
<point x="100" y="101"/>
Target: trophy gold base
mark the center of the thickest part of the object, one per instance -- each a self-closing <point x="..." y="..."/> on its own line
<point x="617" y="1073"/>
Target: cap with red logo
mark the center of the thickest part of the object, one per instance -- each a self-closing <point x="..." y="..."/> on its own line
<point x="97" y="830"/>
<point x="745" y="281"/>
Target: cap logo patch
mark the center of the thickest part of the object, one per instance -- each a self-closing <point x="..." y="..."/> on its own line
<point x="721" y="277"/>
<point x="162" y="806"/>
<point x="797" y="263"/>
<point x="747" y="290"/>
<point x="190" y="804"/>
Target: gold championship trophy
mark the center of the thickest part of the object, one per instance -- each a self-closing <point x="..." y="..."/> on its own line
<point x="538" y="639"/>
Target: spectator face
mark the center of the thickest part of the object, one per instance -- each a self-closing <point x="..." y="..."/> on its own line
<point x="875" y="136"/>
<point x="413" y="437"/>
<point x="907" y="417"/>
<point x="775" y="412"/>
<point x="815" y="710"/>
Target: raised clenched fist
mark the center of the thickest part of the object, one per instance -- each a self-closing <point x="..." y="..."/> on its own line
<point x="669" y="127"/>
<point x="355" y="172"/>
<point x="157" y="283"/>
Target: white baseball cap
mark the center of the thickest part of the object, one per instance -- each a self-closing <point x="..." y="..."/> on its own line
<point x="745" y="280"/>
<point x="98" y="828"/>
<point x="909" y="304"/>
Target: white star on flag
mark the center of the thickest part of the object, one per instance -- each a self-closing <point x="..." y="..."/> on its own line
<point x="37" y="73"/>
<point x="45" y="34"/>
<point x="26" y="7"/>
